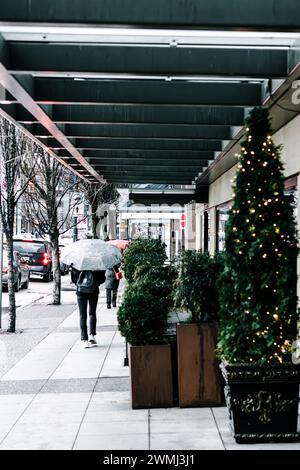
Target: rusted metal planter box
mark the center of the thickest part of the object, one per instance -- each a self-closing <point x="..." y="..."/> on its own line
<point x="151" y="376"/>
<point x="198" y="370"/>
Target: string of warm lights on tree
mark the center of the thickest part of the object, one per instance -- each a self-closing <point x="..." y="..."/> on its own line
<point x="259" y="318"/>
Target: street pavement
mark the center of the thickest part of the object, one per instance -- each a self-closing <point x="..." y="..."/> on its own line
<point x="56" y="395"/>
<point x="36" y="290"/>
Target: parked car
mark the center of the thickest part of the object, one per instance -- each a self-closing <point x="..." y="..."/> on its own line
<point x="21" y="271"/>
<point x="37" y="253"/>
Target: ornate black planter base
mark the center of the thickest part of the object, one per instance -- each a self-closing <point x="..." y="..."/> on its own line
<point x="262" y="402"/>
<point x="264" y="438"/>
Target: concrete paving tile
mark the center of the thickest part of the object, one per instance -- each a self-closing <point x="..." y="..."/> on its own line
<point x="41" y="436"/>
<point x="119" y="340"/>
<point x="114" y="372"/>
<point x="180" y="413"/>
<point x="51" y="405"/>
<point x="220" y="412"/>
<point x="12" y="401"/>
<point x="9" y="419"/>
<point x="105" y="401"/>
<point x="59" y="404"/>
<point x="113" y="428"/>
<point x="186" y="441"/>
<point x="109" y="397"/>
<point x="63" y="399"/>
<point x="8" y="387"/>
<point x="12" y="406"/>
<point x="103" y="339"/>
<point x="84" y="364"/>
<point x="115" y="442"/>
<point x="36" y="365"/>
<point x="58" y="417"/>
<point x="71" y="320"/>
<point x="182" y="425"/>
<point x="57" y="341"/>
<point x="115" y="360"/>
<point x="107" y="317"/>
<point x="4" y="429"/>
<point x="116" y="353"/>
<point x="48" y="413"/>
<point x="112" y="384"/>
<point x="69" y="385"/>
<point x="114" y="406"/>
<point x="115" y="415"/>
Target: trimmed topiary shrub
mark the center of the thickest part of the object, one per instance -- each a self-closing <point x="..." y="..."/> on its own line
<point x="196" y="285"/>
<point x="141" y="253"/>
<point x="143" y="315"/>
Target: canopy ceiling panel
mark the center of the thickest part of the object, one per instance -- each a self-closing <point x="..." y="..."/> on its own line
<point x="90" y="58"/>
<point x="153" y="114"/>
<point x="273" y="15"/>
<point x="158" y="131"/>
<point x="131" y="112"/>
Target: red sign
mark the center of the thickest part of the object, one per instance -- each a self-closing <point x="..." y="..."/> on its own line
<point x="183" y="221"/>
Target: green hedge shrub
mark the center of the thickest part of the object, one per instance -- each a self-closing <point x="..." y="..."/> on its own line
<point x="196" y="285"/>
<point x="143" y="252"/>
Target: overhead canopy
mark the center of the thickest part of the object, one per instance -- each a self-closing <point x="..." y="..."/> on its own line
<point x="258" y="15"/>
<point x="135" y="92"/>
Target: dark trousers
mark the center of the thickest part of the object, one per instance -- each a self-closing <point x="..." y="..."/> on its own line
<point x="83" y="301"/>
<point x="114" y="293"/>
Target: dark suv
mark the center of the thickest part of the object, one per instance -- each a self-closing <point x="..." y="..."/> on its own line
<point x="38" y="255"/>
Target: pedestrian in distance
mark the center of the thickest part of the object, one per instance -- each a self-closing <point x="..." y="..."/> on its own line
<point x="112" y="285"/>
<point x="87" y="290"/>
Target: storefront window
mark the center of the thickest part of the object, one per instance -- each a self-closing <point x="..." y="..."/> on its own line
<point x="222" y="215"/>
<point x="292" y="193"/>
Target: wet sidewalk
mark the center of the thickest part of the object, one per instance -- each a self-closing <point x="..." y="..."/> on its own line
<point x="60" y="396"/>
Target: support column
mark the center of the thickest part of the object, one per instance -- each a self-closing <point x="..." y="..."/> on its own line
<point x="298" y="226"/>
<point x="199" y="230"/>
<point x="190" y="230"/>
<point x="213" y="230"/>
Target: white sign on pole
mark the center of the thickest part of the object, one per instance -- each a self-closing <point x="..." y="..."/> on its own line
<point x="78" y="198"/>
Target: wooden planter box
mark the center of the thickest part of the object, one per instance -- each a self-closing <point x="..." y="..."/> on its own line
<point x="151" y="376"/>
<point x="198" y="370"/>
<point x="262" y="402"/>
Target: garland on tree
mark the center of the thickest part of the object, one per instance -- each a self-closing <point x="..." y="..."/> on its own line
<point x="258" y="286"/>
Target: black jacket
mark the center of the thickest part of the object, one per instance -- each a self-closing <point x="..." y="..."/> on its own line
<point x="110" y="275"/>
<point x="99" y="278"/>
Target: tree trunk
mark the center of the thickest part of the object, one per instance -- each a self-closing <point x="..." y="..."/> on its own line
<point x="11" y="285"/>
<point x="56" y="299"/>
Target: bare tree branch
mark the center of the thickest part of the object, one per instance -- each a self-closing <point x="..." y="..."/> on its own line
<point x="14" y="146"/>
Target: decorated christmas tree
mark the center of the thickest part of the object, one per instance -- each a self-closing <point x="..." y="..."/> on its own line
<point x="258" y="286"/>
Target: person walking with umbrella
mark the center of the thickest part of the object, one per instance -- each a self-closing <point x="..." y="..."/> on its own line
<point x="87" y="290"/>
<point x="89" y="260"/>
<point x="112" y="285"/>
